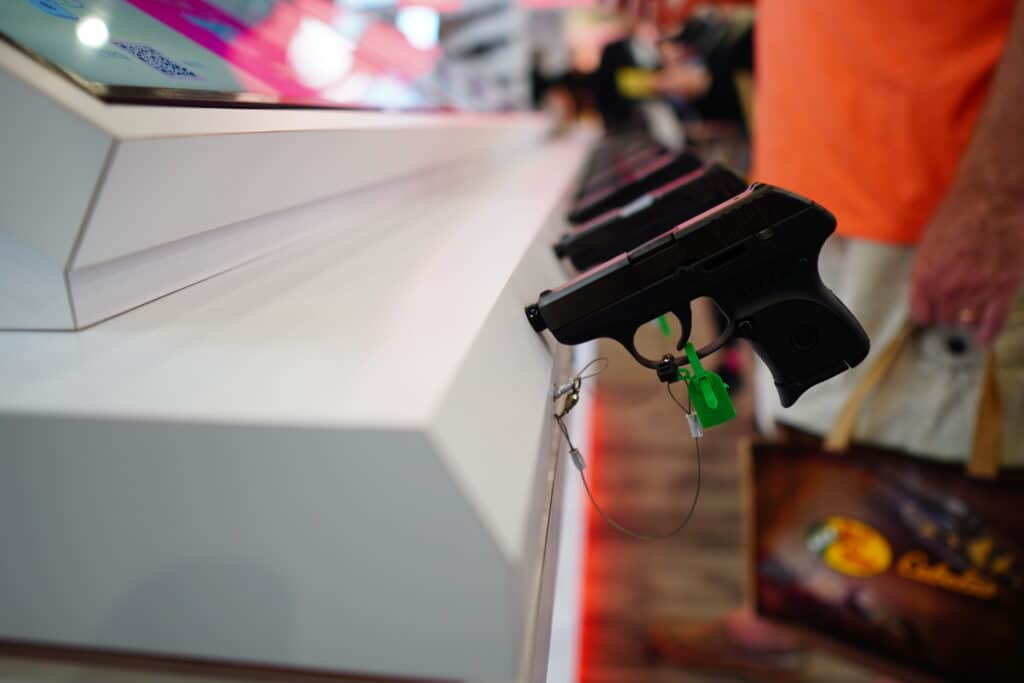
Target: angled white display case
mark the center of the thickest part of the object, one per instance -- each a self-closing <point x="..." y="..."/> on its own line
<point x="91" y="190"/>
<point x="269" y="399"/>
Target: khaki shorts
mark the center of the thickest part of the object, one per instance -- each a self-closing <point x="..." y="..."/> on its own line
<point x="928" y="402"/>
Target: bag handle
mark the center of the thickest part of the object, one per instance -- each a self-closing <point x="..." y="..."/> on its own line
<point x="987" y="447"/>
<point x="987" y="444"/>
<point x="839" y="437"/>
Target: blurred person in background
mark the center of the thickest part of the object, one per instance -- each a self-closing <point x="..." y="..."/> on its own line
<point x="905" y="120"/>
<point x="720" y="40"/>
<point x="632" y="81"/>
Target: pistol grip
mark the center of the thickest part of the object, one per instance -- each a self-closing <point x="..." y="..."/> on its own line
<point x="804" y="341"/>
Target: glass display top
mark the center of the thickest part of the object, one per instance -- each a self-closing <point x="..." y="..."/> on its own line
<point x="240" y="52"/>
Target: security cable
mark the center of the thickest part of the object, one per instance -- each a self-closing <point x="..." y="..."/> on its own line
<point x="572" y="388"/>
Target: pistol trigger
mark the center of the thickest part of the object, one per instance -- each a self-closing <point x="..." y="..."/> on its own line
<point x="686" y="323"/>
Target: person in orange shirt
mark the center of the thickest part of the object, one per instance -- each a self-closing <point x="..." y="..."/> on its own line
<point x="906" y="120"/>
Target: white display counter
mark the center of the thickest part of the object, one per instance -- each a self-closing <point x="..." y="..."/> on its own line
<point x="328" y="451"/>
<point x="93" y="193"/>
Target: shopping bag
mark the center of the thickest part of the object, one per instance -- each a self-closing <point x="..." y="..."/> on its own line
<point x="905" y="564"/>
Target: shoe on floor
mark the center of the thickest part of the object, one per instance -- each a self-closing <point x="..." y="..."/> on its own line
<point x="706" y="645"/>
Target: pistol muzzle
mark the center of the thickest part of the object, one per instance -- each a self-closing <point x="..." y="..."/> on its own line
<point x="534" y="316"/>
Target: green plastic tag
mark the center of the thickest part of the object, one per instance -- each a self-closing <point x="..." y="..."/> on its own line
<point x="708" y="393"/>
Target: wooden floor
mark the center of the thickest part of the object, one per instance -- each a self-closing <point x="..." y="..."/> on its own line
<point x="643" y="471"/>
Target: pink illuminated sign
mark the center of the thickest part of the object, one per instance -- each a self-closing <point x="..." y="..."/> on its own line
<point x="259" y="52"/>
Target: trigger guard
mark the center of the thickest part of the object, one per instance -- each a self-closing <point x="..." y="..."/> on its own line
<point x="720" y="341"/>
<point x="626" y="339"/>
<point x="712" y="346"/>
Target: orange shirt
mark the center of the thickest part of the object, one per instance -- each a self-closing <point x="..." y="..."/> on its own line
<point x="866" y="106"/>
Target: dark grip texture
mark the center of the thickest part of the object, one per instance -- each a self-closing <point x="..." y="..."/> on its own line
<point x="805" y="341"/>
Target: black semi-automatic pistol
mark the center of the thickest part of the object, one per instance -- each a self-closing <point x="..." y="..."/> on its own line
<point x="632" y="182"/>
<point x="645" y="218"/>
<point x="756" y="256"/>
<point x="609" y="164"/>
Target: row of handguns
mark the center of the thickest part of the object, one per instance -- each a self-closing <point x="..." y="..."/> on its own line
<point x="651" y="230"/>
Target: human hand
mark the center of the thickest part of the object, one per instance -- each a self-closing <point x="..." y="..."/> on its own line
<point x="970" y="263"/>
<point x="683" y="80"/>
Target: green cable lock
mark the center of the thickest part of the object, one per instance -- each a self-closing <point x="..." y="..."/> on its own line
<point x="709" y="394"/>
<point x="663" y="324"/>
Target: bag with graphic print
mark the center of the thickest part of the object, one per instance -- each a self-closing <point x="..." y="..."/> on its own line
<point x="908" y="565"/>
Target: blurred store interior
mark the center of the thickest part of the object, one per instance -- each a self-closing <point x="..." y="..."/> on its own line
<point x="596" y="341"/>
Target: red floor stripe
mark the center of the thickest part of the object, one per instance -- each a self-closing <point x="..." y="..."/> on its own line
<point x="587" y="637"/>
